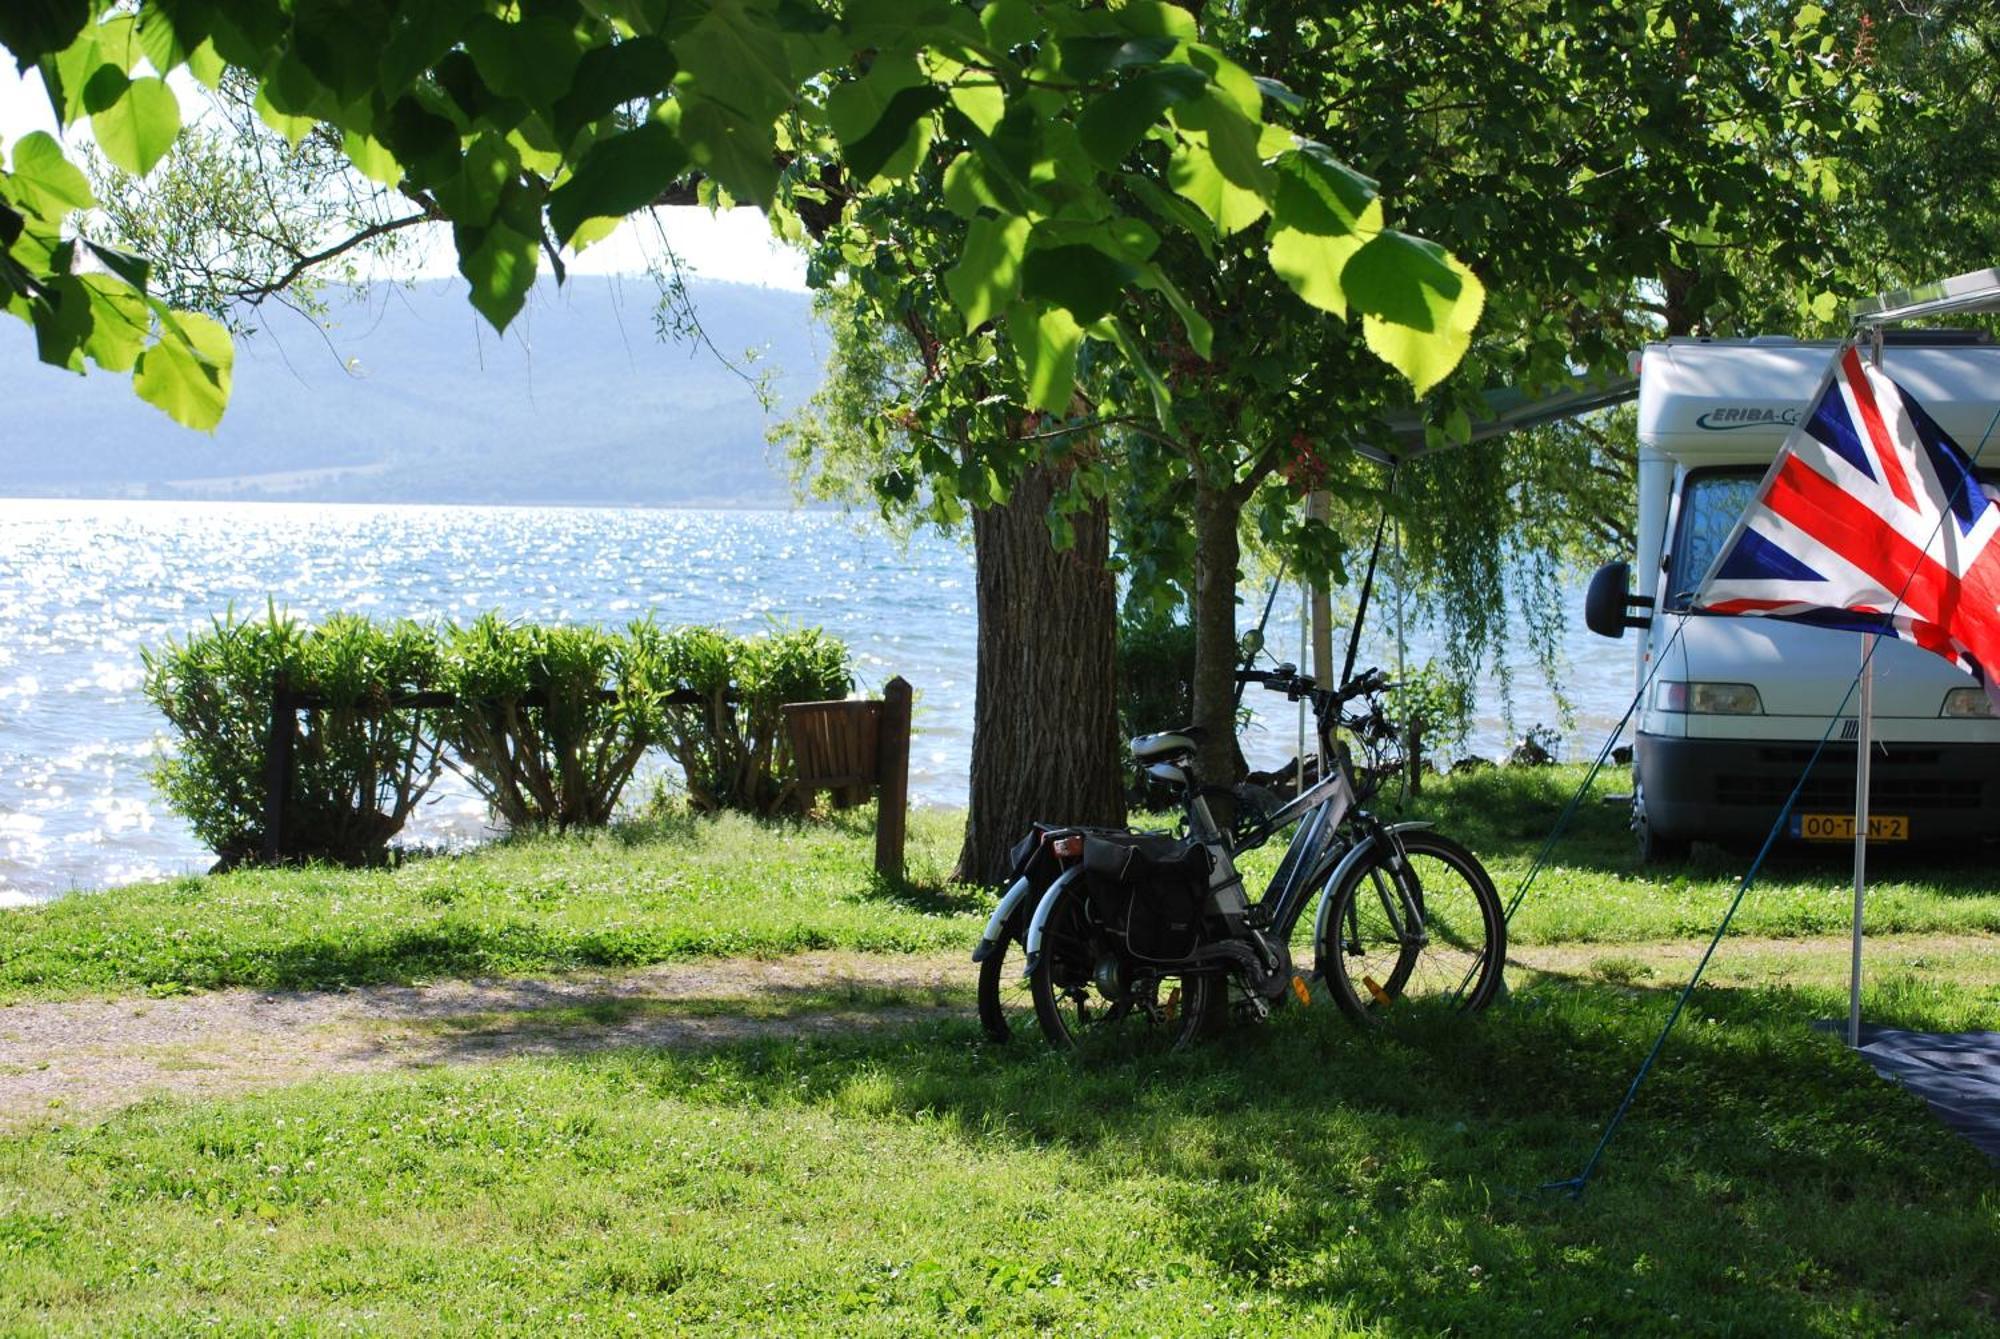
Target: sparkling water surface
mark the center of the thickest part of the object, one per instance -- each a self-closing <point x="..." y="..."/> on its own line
<point x="85" y="585"/>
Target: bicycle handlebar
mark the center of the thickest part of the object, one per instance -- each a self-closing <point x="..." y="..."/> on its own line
<point x="1286" y="679"/>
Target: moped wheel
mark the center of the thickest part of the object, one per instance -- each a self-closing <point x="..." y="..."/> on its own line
<point x="1006" y="999"/>
<point x="1374" y="954"/>
<point x="1145" y="1012"/>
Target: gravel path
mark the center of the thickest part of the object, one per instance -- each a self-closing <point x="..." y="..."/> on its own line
<point x="63" y="1060"/>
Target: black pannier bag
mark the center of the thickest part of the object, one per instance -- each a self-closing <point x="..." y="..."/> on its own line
<point x="1149" y="888"/>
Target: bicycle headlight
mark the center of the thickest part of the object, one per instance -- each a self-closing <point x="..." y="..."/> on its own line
<point x="1708" y="699"/>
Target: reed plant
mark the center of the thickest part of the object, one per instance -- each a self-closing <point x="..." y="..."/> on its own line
<point x="359" y="765"/>
<point x="552" y="721"/>
<point x="731" y="744"/>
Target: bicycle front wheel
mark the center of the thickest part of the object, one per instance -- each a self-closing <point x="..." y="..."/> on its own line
<point x="1427" y="929"/>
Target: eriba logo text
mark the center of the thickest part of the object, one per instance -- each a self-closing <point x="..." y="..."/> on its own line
<point x="1746" y="416"/>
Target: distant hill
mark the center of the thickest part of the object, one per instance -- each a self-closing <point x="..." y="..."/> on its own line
<point x="408" y="396"/>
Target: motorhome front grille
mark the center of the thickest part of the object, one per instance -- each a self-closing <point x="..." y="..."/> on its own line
<point x="1831" y="784"/>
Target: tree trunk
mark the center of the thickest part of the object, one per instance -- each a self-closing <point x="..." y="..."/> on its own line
<point x="1216" y="556"/>
<point x="1045" y="714"/>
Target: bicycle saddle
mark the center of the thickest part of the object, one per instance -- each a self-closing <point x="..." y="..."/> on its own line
<point x="1167" y="743"/>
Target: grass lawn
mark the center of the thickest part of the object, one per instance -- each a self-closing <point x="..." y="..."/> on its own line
<point x="682" y="889"/>
<point x="643" y="893"/>
<point x="1302" y="1179"/>
<point x="1296" y="1178"/>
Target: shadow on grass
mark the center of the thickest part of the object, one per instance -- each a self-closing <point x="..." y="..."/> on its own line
<point x="1766" y="1183"/>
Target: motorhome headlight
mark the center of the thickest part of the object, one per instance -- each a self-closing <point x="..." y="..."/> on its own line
<point x="1708" y="699"/>
<point x="1967" y="703"/>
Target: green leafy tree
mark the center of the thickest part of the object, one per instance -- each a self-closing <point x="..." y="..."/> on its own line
<point x="533" y="126"/>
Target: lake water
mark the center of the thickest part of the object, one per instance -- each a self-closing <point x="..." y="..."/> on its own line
<point x="85" y="585"/>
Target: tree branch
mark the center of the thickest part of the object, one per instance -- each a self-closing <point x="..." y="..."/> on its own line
<point x="257" y="293"/>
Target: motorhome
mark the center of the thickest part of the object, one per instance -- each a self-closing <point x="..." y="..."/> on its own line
<point x="1734" y="707"/>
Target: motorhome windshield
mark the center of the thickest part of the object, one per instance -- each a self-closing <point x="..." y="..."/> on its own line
<point x="1711" y="500"/>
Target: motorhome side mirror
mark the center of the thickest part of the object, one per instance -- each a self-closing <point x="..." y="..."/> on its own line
<point x="1608" y="598"/>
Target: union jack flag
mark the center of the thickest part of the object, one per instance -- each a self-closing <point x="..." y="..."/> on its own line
<point x="1870" y="519"/>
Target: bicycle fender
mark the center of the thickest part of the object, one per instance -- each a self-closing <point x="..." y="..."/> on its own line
<point x="1043" y="910"/>
<point x="1347" y="862"/>
<point x="996" y="925"/>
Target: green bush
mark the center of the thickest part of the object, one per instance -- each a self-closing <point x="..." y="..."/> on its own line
<point x="1155" y="674"/>
<point x="1441" y="699"/>
<point x="735" y="754"/>
<point x="359" y="769"/>
<point x="534" y="733"/>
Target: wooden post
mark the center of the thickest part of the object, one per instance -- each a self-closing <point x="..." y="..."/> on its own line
<point x="1416" y="755"/>
<point x="278" y="766"/>
<point x="892" y="775"/>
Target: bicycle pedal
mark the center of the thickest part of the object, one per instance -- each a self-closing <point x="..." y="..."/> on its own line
<point x="1302" y="991"/>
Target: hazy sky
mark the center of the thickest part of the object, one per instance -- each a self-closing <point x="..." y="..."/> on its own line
<point x="735" y="246"/>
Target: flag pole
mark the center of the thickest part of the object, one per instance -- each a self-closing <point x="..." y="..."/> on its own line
<point x="1863" y="748"/>
<point x="1861" y="761"/>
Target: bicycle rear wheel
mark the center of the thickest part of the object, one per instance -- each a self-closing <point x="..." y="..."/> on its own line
<point x="1140" y="1012"/>
<point x="1374" y="953"/>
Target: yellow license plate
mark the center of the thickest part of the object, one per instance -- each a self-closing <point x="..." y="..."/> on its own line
<point x="1840" y="827"/>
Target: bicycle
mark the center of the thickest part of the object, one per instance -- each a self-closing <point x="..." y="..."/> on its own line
<point x="1150" y="934"/>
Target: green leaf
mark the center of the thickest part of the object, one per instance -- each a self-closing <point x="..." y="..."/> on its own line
<point x="1426" y="355"/>
<point x="1312" y="263"/>
<point x="1149" y="18"/>
<point x="896" y="144"/>
<point x="44" y="181"/>
<point x="206" y="66"/>
<point x="32" y="29"/>
<point x="1401" y="279"/>
<point x="532" y="60"/>
<point x="62" y="323"/>
<point x="472" y="193"/>
<point x="736" y="151"/>
<point x="616" y="177"/>
<point x="736" y="57"/>
<point x="1009" y="23"/>
<point x="1201" y="335"/>
<point x="1317" y="193"/>
<point x="371" y="159"/>
<point x="134" y="270"/>
<point x="293" y="128"/>
<point x="635" y="70"/>
<point x="499" y="261"/>
<point x="119" y="323"/>
<point x="186" y="373"/>
<point x="1193" y="173"/>
<point x="161" y="39"/>
<point x="426" y="32"/>
<point x="1114" y="122"/>
<point x="987" y="278"/>
<point x="967" y="188"/>
<point x="1045" y="340"/>
<point x="1078" y="276"/>
<point x="853" y="108"/>
<point x="136" y="131"/>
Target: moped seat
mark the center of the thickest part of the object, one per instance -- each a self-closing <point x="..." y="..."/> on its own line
<point x="1167" y="743"/>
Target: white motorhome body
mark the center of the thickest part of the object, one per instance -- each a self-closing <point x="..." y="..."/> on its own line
<point x="1736" y="705"/>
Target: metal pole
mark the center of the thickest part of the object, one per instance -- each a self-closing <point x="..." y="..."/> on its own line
<point x="1305" y="630"/>
<point x="1861" y="760"/>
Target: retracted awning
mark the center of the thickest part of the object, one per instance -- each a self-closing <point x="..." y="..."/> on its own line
<point x="1507" y="410"/>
